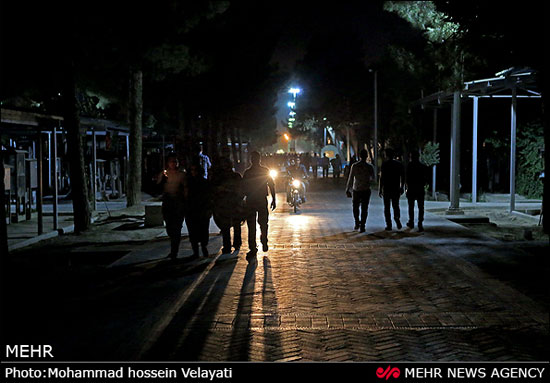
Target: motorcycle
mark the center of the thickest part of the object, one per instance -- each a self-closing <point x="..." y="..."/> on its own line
<point x="295" y="200"/>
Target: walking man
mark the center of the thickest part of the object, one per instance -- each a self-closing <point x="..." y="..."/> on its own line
<point x="360" y="177"/>
<point x="227" y="203"/>
<point x="336" y="163"/>
<point x="173" y="201"/>
<point x="314" y="165"/>
<point x="203" y="160"/>
<point x="324" y="164"/>
<point x="392" y="183"/>
<point x="416" y="179"/>
<point x="256" y="180"/>
<point x="198" y="210"/>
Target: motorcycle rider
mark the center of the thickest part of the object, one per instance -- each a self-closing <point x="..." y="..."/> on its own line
<point x="298" y="172"/>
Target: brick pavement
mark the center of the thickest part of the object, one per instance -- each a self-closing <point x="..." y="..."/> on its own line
<point x="321" y="293"/>
<point x="326" y="293"/>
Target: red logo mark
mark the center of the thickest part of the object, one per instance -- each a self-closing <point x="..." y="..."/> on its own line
<point x="389" y="372"/>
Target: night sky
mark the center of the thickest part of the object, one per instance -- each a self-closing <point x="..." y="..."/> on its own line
<point x="35" y="35"/>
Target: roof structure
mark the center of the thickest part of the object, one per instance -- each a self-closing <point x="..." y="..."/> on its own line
<point x="21" y="122"/>
<point x="512" y="83"/>
<point x="523" y="80"/>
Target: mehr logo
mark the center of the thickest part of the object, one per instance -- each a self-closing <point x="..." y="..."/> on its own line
<point x="388" y="372"/>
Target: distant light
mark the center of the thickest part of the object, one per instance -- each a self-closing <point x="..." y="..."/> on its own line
<point x="291" y="104"/>
<point x="286" y="136"/>
<point x="294" y="91"/>
<point x="292" y="113"/>
<point x="280" y="151"/>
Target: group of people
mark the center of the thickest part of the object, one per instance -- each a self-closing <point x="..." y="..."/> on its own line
<point x="203" y="191"/>
<point x="310" y="161"/>
<point x="394" y="181"/>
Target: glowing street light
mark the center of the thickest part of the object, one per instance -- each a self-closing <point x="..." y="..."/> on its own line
<point x="292" y="105"/>
<point x="294" y="91"/>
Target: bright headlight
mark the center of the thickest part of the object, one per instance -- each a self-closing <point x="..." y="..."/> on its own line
<point x="296" y="183"/>
<point x="273" y="173"/>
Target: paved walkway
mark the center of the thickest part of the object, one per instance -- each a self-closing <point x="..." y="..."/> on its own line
<point x="321" y="293"/>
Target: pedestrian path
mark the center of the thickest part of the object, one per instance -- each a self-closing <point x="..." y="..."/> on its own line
<point x="322" y="292"/>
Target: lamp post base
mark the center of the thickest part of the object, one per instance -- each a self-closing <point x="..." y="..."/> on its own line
<point x="454" y="211"/>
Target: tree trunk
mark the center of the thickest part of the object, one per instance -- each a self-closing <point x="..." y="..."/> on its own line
<point x="135" y="113"/>
<point x="75" y="153"/>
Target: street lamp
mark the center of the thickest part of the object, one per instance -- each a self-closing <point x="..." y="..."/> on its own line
<point x="294" y="91"/>
<point x="292" y="105"/>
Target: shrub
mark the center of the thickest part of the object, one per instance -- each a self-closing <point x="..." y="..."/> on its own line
<point x="530" y="162"/>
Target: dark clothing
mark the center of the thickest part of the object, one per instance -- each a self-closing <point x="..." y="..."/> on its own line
<point x="360" y="177"/>
<point x="361" y="199"/>
<point x="314" y="166"/>
<point x="393" y="200"/>
<point x="199" y="231"/>
<point x="336" y="167"/>
<point x="228" y="206"/>
<point x="392" y="180"/>
<point x="392" y="176"/>
<point x="420" y="204"/>
<point x="256" y="181"/>
<point x="173" y="206"/>
<point x="324" y="164"/>
<point x="173" y="213"/>
<point x="417" y="178"/>
<point x="198" y="210"/>
<point x="257" y="211"/>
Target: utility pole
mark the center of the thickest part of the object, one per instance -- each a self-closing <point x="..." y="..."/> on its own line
<point x="375" y="143"/>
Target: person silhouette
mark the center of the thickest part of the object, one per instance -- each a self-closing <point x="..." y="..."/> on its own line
<point x="336" y="163"/>
<point x="416" y="179"/>
<point x="173" y="201"/>
<point x="325" y="164"/>
<point x="256" y="181"/>
<point x="392" y="181"/>
<point x="198" y="210"/>
<point x="227" y="203"/>
<point x="360" y="177"/>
